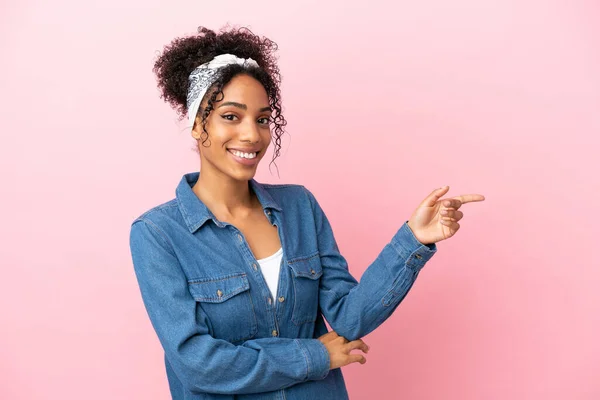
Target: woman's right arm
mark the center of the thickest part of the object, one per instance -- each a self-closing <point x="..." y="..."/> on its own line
<point x="203" y="363"/>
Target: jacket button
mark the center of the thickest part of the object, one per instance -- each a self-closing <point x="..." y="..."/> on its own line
<point x="269" y="300"/>
<point x="418" y="256"/>
<point x="312" y="271"/>
<point x="255" y="266"/>
<point x="274" y="333"/>
<point x="281" y="299"/>
<point x="219" y="293"/>
<point x="240" y="237"/>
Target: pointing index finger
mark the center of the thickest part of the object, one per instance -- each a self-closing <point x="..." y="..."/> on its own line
<point x="469" y="198"/>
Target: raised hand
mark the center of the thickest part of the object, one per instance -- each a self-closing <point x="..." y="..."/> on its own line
<point x="437" y="219"/>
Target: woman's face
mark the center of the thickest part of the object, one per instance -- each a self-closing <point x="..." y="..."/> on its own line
<point x="238" y="130"/>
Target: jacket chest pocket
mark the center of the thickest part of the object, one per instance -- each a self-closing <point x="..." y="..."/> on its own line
<point x="227" y="303"/>
<point x="306" y="274"/>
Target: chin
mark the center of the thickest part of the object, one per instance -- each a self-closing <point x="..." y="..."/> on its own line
<point x="243" y="175"/>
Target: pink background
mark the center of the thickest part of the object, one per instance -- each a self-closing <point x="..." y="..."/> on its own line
<point x="385" y="102"/>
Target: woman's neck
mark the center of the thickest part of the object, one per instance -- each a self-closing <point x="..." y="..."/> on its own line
<point x="226" y="198"/>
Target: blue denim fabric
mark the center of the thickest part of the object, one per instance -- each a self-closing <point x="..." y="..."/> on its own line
<point x="223" y="335"/>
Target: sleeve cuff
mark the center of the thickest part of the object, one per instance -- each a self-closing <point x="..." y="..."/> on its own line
<point x="317" y="358"/>
<point x="409" y="248"/>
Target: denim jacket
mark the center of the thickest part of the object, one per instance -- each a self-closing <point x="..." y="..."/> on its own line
<point x="223" y="334"/>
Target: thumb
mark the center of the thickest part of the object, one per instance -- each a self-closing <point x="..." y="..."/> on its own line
<point x="435" y="196"/>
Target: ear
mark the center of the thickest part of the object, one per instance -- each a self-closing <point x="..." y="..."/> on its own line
<point x="197" y="130"/>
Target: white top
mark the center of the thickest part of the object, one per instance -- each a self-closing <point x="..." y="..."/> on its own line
<point x="270" y="267"/>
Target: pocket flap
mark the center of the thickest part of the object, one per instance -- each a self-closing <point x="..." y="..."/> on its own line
<point x="307" y="267"/>
<point x="217" y="290"/>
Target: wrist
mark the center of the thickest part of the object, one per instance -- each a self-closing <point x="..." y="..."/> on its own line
<point x="415" y="233"/>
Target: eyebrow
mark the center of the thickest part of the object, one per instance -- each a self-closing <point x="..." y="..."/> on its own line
<point x="242" y="106"/>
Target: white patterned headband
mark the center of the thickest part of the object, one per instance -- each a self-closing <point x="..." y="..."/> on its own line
<point x="204" y="76"/>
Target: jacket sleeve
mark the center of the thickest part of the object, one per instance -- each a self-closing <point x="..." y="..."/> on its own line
<point x="205" y="364"/>
<point x="355" y="309"/>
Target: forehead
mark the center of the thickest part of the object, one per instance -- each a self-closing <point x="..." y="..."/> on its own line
<point x="247" y="90"/>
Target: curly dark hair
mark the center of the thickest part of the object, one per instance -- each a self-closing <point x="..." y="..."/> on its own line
<point x="184" y="54"/>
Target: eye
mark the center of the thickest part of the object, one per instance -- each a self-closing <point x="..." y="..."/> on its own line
<point x="229" y="117"/>
<point x="264" y="120"/>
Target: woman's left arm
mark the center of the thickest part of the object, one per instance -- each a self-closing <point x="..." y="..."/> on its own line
<point x="355" y="309"/>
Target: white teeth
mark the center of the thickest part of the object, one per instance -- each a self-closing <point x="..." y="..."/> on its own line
<point x="243" y="155"/>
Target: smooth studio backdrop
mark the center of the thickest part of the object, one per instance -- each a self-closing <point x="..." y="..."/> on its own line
<point x="385" y="101"/>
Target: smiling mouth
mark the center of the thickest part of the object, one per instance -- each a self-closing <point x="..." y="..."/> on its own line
<point x="241" y="154"/>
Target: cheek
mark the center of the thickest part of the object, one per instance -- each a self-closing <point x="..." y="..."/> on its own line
<point x="266" y="137"/>
<point x="218" y="134"/>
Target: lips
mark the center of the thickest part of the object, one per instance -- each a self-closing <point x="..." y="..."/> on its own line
<point x="243" y="154"/>
<point x="244" y="158"/>
<point x="246" y="149"/>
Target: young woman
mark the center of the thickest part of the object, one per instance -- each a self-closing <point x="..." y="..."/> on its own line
<point x="238" y="276"/>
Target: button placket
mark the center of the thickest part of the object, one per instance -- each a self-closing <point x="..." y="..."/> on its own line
<point x="281" y="286"/>
<point x="255" y="267"/>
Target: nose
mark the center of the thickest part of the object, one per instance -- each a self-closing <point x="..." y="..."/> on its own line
<point x="249" y="132"/>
